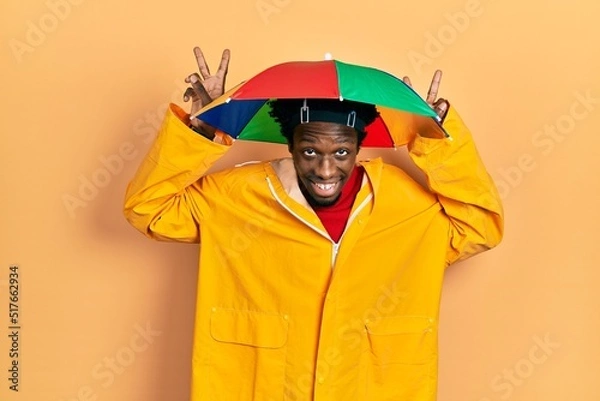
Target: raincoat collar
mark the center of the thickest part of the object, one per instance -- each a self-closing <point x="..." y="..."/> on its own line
<point x="287" y="179"/>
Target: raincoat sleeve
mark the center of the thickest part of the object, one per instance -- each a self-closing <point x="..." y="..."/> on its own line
<point x="166" y="198"/>
<point x="467" y="193"/>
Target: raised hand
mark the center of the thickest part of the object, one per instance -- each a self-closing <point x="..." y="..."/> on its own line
<point x="205" y="87"/>
<point x="440" y="105"/>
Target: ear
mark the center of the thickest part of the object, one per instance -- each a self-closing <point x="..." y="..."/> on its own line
<point x="360" y="137"/>
<point x="290" y="140"/>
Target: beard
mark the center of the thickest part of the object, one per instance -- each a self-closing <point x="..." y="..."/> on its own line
<point x="313" y="202"/>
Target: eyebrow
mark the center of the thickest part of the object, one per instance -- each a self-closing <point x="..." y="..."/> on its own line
<point x="312" y="139"/>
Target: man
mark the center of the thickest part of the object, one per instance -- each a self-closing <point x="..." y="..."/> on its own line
<point x="320" y="276"/>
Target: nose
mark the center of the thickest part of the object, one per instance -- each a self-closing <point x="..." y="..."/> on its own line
<point x="326" y="168"/>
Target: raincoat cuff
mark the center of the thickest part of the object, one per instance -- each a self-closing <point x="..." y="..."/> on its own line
<point x="178" y="148"/>
<point x="220" y="137"/>
<point x="453" y="125"/>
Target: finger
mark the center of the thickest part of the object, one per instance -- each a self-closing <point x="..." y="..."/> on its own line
<point x="406" y="80"/>
<point x="441" y="107"/>
<point x="196" y="83"/>
<point x="202" y="66"/>
<point x="435" y="85"/>
<point x="224" y="65"/>
<point x="188" y="79"/>
<point x="199" y="89"/>
<point x="190" y="93"/>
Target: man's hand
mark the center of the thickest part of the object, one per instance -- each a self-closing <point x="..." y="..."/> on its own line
<point x="206" y="88"/>
<point x="440" y="106"/>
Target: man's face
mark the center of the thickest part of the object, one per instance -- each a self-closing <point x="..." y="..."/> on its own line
<point x="324" y="156"/>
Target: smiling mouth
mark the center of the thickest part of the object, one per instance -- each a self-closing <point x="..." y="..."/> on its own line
<point x="325" y="189"/>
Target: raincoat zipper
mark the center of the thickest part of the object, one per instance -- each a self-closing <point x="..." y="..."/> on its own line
<point x="335" y="245"/>
<point x="324" y="234"/>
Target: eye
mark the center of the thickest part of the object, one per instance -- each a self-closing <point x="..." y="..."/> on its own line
<point x="309" y="152"/>
<point x="342" y="152"/>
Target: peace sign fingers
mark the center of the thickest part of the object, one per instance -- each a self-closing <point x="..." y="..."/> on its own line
<point x="440" y="105"/>
<point x="224" y="65"/>
<point x="201" y="61"/>
<point x="433" y="88"/>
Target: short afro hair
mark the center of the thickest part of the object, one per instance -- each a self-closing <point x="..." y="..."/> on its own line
<point x="285" y="112"/>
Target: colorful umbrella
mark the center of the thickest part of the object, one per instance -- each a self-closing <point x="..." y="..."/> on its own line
<point x="243" y="111"/>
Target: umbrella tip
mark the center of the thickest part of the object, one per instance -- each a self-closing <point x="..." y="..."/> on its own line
<point x="328" y="56"/>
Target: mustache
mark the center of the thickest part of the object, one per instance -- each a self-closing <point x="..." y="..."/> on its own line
<point x="319" y="180"/>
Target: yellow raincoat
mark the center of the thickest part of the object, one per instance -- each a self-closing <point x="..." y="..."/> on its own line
<point x="284" y="313"/>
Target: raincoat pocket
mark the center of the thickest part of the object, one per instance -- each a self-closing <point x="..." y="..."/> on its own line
<point x="401" y="339"/>
<point x="248" y="354"/>
<point x="400" y="362"/>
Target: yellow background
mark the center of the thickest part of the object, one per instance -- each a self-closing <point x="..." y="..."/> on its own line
<point x="85" y="82"/>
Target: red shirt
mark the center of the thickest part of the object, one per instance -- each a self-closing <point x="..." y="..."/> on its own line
<point x="334" y="217"/>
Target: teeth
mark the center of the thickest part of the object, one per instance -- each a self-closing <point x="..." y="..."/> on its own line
<point x="325" y="187"/>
